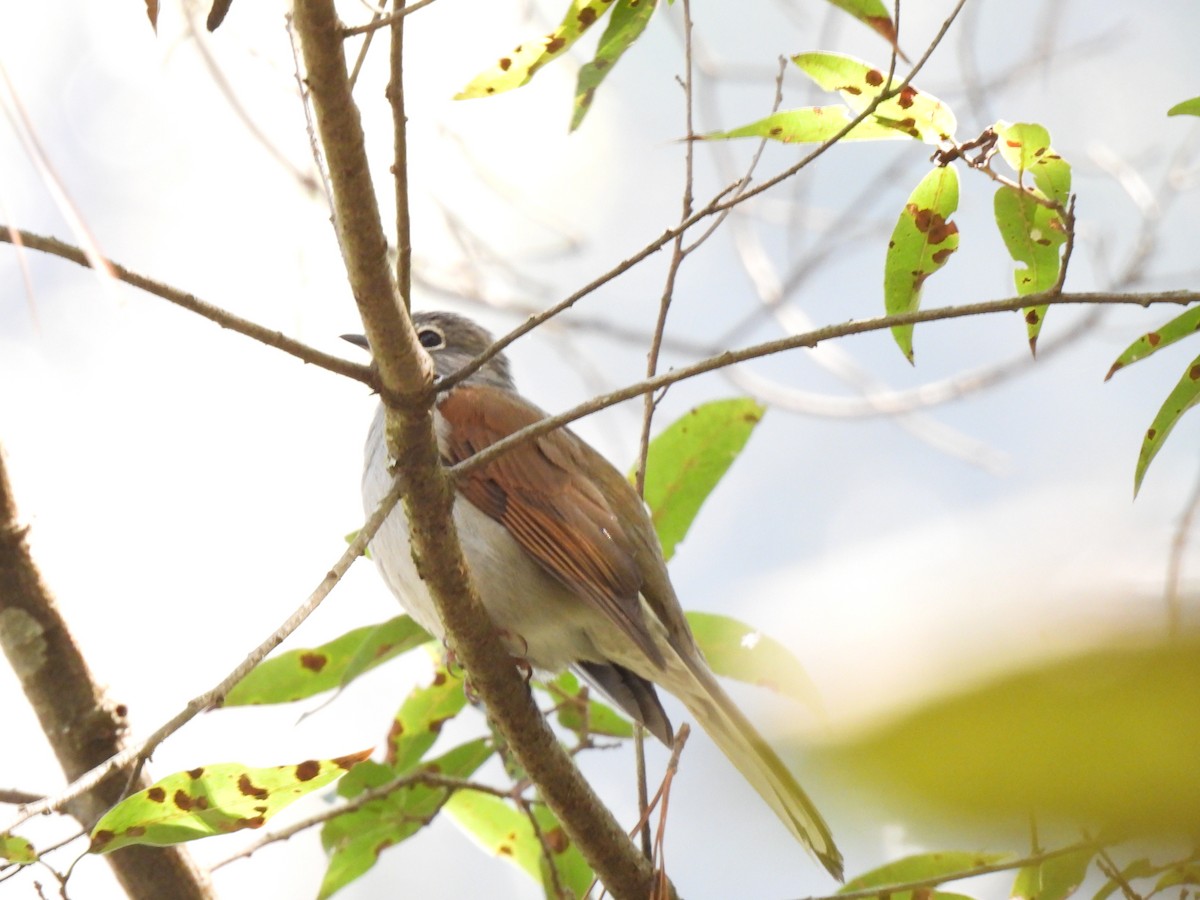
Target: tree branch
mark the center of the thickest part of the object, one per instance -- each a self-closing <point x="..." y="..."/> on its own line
<point x="83" y="726"/>
<point x="405" y="377"/>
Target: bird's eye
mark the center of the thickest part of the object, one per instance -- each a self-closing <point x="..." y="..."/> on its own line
<point x="431" y="338"/>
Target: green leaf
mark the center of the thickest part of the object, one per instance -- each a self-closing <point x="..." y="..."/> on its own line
<point x="1106" y="738"/>
<point x="17" y="850"/>
<point x="689" y="458"/>
<point x="874" y="15"/>
<point x="628" y="21"/>
<point x="1026" y="147"/>
<point x="1184" y="396"/>
<point x="1139" y="868"/>
<point x="922" y="241"/>
<point x="1053" y="879"/>
<point x="1150" y="343"/>
<point x="355" y="839"/>
<point x="298" y="674"/>
<point x="958" y="863"/>
<point x="1186" y="108"/>
<point x="812" y="125"/>
<point x="1034" y="235"/>
<point x="503" y="831"/>
<point x="1185" y="873"/>
<point x="912" y="112"/>
<point x="738" y="651"/>
<point x="211" y="800"/>
<point x="516" y="68"/>
<point x="600" y="718"/>
<point x="421" y="717"/>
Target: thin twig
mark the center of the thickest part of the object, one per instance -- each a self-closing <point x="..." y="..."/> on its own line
<point x="395" y="92"/>
<point x="192" y="303"/>
<point x="383" y="21"/>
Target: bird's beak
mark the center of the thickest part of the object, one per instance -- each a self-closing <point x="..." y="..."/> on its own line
<point x="358" y="340"/>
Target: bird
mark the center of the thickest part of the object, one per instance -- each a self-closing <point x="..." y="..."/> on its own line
<point x="567" y="564"/>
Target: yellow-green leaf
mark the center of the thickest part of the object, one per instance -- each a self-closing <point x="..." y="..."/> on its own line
<point x="513" y="69"/>
<point x="1026" y="147"/>
<point x="1183" y="397"/>
<point x="812" y="125"/>
<point x="1186" y="323"/>
<point x="689" y="458"/>
<point x="1055" y="878"/>
<point x="594" y="718"/>
<point x="922" y="241"/>
<point x="738" y="651"/>
<point x="504" y="831"/>
<point x="874" y="15"/>
<point x="913" y="112"/>
<point x="1105" y="739"/>
<point x="421" y="717"/>
<point x="1186" y="108"/>
<point x="625" y="25"/>
<point x="919" y="867"/>
<point x="211" y="800"/>
<point x="17" y="850"/>
<point x="1034" y="235"/>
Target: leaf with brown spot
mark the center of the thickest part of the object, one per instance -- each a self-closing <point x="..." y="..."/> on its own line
<point x="1025" y="146"/>
<point x="354" y="840"/>
<point x="922" y="242"/>
<point x="1186" y="323"/>
<point x="500" y="828"/>
<point x="516" y="68"/>
<point x="1183" y="397"/>
<point x="220" y="799"/>
<point x="1034" y="235"/>
<point x="298" y="674"/>
<point x="626" y="24"/>
<point x="421" y="717"/>
<point x="812" y="125"/>
<point x="916" y="113"/>
<point x="17" y="850"/>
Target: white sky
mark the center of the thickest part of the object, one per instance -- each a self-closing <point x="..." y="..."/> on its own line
<point x="187" y="488"/>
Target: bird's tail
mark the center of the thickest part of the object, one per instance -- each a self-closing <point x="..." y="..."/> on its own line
<point x="694" y="684"/>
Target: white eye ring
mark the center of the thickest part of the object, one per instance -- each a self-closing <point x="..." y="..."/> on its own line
<point x="431" y="337"/>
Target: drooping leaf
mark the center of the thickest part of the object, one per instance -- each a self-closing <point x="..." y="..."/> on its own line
<point x="355" y="839"/>
<point x="595" y="717"/>
<point x="625" y="25"/>
<point x="1034" y="235"/>
<point x="1186" y="323"/>
<point x="1183" y="397"/>
<point x="812" y="125"/>
<point x="504" y="831"/>
<point x="211" y="800"/>
<point x="1055" y="878"/>
<point x="922" y="241"/>
<point x="152" y="14"/>
<point x="1026" y="147"/>
<point x="874" y="15"/>
<point x="919" y="867"/>
<point x="738" y="651"/>
<point x="17" y="850"/>
<point x="1105" y="738"/>
<point x="913" y="112"/>
<point x="689" y="458"/>
<point x="1186" y="108"/>
<point x="302" y="673"/>
<point x="421" y="717"/>
<point x="516" y="68"/>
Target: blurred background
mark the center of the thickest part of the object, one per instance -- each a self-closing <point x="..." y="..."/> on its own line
<point x="186" y="487"/>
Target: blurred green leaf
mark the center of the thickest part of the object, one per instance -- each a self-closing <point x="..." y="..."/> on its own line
<point x="689" y="458"/>
<point x="920" y="867"/>
<point x="1183" y="397"/>
<point x="1107" y="738"/>
<point x="812" y="125"/>
<point x="1053" y="879"/>
<point x="302" y="673"/>
<point x="355" y="839"/>
<point x="913" y="112"/>
<point x="421" y="717"/>
<point x="600" y="718"/>
<point x="516" y="68"/>
<point x="1026" y="147"/>
<point x="922" y="241"/>
<point x="1186" y="108"/>
<point x="211" y="800"/>
<point x="1181" y="326"/>
<point x="504" y="831"/>
<point x="1034" y="235"/>
<point x="625" y="25"/>
<point x="17" y="850"/>
<point x="738" y="651"/>
<point x="1139" y="868"/>
<point x="874" y="15"/>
